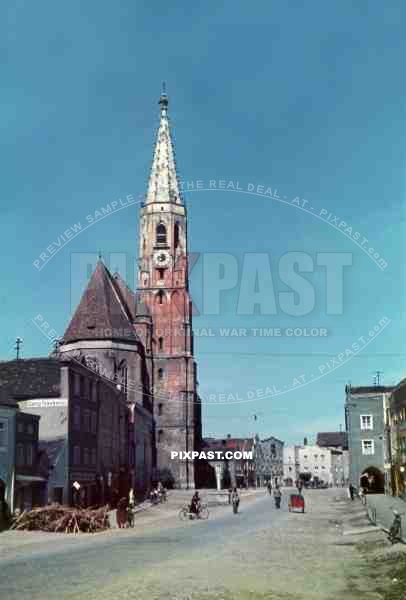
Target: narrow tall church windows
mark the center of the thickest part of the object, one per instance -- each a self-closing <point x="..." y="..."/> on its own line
<point x="160" y="297"/>
<point x="176" y="236"/>
<point x="161" y="235"/>
<point x="161" y="343"/>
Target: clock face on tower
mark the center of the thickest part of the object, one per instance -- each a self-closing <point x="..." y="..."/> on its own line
<point x="162" y="259"/>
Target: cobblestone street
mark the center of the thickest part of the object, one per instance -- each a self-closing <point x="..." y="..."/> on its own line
<point x="257" y="554"/>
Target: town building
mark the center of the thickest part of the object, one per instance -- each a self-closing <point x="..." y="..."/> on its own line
<point x="24" y="468"/>
<point x="367" y="427"/>
<point x="92" y="437"/>
<point x="397" y="451"/>
<point x="269" y="461"/>
<point x="290" y="464"/>
<point x="8" y="410"/>
<point x="144" y="341"/>
<point x="31" y="464"/>
<point x="315" y="463"/>
<point x="337" y="443"/>
<point x="222" y="472"/>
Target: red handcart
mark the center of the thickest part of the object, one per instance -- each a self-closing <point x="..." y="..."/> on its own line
<point x="296" y="503"/>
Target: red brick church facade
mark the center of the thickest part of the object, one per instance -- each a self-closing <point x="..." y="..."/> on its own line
<point x="163" y="288"/>
<point x="145" y="338"/>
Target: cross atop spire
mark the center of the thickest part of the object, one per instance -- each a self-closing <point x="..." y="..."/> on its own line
<point x="163" y="183"/>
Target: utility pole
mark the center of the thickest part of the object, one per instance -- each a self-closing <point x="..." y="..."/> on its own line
<point x="377" y="378"/>
<point x="19" y="342"/>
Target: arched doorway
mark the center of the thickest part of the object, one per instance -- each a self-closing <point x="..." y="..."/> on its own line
<point x="373" y="480"/>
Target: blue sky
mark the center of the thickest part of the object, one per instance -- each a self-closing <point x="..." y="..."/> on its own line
<point x="304" y="98"/>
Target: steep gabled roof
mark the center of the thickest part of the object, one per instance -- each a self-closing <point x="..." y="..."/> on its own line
<point x="334" y="439"/>
<point x="102" y="312"/>
<point x="127" y="296"/>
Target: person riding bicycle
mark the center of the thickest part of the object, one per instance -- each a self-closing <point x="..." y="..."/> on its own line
<point x="161" y="492"/>
<point x="195" y="503"/>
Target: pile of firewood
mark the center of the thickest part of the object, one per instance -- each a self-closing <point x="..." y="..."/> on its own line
<point x="63" y="519"/>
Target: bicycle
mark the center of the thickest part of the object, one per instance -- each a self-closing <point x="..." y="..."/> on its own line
<point x="185" y="513"/>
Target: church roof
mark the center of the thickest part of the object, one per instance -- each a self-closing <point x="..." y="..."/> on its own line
<point x="163" y="183"/>
<point x="102" y="312"/>
<point x="127" y="296"/>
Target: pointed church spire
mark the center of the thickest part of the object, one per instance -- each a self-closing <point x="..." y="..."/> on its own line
<point x="163" y="183"/>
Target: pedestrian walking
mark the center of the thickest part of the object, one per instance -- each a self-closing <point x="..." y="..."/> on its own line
<point x="235" y="500"/>
<point x="277" y="494"/>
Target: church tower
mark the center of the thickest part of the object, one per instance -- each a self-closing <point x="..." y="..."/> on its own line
<point x="163" y="288"/>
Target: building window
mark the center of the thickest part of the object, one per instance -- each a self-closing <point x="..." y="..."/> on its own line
<point x="367" y="447"/>
<point x="322" y="456"/>
<point x="30" y="429"/>
<point x="76" y="455"/>
<point x="3" y="434"/>
<point x="160" y="436"/>
<point x="76" y="384"/>
<point x="86" y="421"/>
<point x="94" y="422"/>
<point x="94" y="392"/>
<point x="160" y="373"/>
<point x="20" y="459"/>
<point x="93" y="457"/>
<point x="161" y="235"/>
<point x="161" y="273"/>
<point x="160" y="410"/>
<point x="161" y="343"/>
<point x="30" y="454"/>
<point x="366" y="422"/>
<point x="315" y="456"/>
<point x="176" y="236"/>
<point x="86" y="456"/>
<point x="20" y="428"/>
<point x="160" y="297"/>
<point x="305" y="456"/>
<point x="76" y="417"/>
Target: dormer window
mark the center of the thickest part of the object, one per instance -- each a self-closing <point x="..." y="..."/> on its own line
<point x="161" y="235"/>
